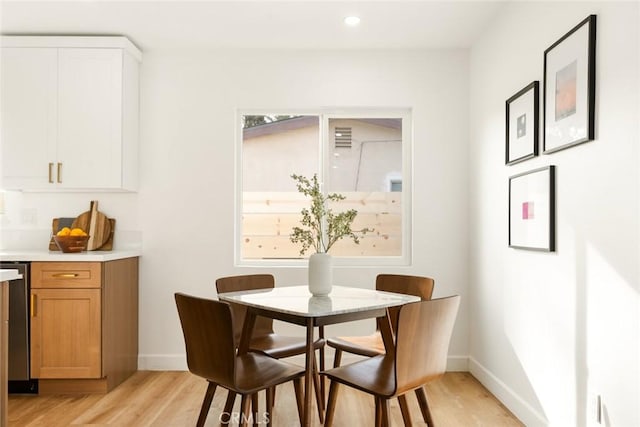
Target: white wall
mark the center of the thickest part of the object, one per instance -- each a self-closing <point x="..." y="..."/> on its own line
<point x="184" y="210"/>
<point x="550" y="330"/>
<point x="186" y="198"/>
<point x="26" y="222"/>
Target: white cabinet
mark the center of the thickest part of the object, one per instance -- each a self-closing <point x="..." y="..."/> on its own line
<point x="89" y="118"/>
<point x="28" y="114"/>
<point x="69" y="114"/>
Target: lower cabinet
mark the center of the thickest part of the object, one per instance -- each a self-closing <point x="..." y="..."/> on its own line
<point x="84" y="324"/>
<point x="66" y="334"/>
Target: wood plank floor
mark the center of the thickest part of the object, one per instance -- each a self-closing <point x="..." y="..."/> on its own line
<point x="170" y="398"/>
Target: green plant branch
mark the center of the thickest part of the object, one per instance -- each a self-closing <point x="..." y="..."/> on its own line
<point x="323" y="228"/>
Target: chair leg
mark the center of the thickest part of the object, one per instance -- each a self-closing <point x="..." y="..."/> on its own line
<point x="245" y="409"/>
<point x="254" y="405"/>
<point x="378" y="412"/>
<point x="337" y="358"/>
<point x="206" y="404"/>
<point x="404" y="409"/>
<point x="384" y="409"/>
<point x="269" y="404"/>
<point x="331" y="404"/>
<point x="316" y="388"/>
<point x="421" y="394"/>
<point x="225" y="417"/>
<point x="297" y="386"/>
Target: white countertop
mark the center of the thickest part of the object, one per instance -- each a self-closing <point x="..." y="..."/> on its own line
<point x="46" y="255"/>
<point x="9" y="275"/>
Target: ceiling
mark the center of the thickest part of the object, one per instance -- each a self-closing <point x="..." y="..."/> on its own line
<point x="397" y="24"/>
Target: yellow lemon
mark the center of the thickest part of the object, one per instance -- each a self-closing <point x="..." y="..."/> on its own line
<point x="66" y="231"/>
<point x="77" y="232"/>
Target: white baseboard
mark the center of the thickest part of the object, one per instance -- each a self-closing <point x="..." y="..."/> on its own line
<point x="178" y="362"/>
<point x="458" y="364"/>
<point x="454" y="363"/>
<point x="162" y="362"/>
<point x="520" y="408"/>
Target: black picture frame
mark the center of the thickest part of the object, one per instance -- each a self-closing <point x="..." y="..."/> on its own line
<point x="522" y="124"/>
<point x="532" y="210"/>
<point x="570" y="88"/>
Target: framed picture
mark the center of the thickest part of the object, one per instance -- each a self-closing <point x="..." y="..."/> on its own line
<point x="570" y="88"/>
<point x="522" y="124"/>
<point x="532" y="210"/>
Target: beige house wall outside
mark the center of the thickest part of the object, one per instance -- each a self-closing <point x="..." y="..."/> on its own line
<point x="269" y="160"/>
<point x="271" y="204"/>
<point x="374" y="158"/>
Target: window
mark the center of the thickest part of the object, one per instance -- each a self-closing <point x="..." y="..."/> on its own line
<point x="362" y="155"/>
<point x="395" y="185"/>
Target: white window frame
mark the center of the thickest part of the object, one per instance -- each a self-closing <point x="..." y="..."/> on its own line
<point x="325" y="145"/>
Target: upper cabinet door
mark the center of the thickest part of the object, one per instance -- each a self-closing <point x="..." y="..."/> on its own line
<point x="29" y="116"/>
<point x="90" y="117"/>
<point x="69" y="113"/>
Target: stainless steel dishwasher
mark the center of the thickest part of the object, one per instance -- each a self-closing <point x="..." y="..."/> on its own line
<point x="20" y="380"/>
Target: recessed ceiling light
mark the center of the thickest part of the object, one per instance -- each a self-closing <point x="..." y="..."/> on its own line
<point x="352" y="21"/>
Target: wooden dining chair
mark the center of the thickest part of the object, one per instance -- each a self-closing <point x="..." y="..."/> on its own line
<point x="372" y="345"/>
<point x="264" y="339"/>
<point x="208" y="327"/>
<point x="420" y="355"/>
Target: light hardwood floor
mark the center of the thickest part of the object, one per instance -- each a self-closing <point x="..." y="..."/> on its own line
<point x="169" y="398"/>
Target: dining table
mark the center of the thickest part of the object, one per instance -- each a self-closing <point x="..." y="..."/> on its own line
<point x="296" y="305"/>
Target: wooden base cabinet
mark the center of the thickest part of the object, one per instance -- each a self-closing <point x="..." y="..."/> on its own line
<point x="4" y="351"/>
<point x="66" y="333"/>
<point x="84" y="325"/>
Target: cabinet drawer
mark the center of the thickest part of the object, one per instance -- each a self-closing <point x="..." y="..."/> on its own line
<point x="66" y="274"/>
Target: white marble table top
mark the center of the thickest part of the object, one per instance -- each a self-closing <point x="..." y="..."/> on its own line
<point x="297" y="300"/>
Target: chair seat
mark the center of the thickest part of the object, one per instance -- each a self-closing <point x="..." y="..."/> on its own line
<point x="280" y="346"/>
<point x="374" y="376"/>
<point x="370" y="345"/>
<point x="255" y="372"/>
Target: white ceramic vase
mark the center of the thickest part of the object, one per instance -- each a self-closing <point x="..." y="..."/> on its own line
<point x="320" y="274"/>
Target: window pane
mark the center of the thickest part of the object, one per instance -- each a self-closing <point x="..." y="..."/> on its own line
<point x="366" y="167"/>
<point x="360" y="157"/>
<point x="274" y="148"/>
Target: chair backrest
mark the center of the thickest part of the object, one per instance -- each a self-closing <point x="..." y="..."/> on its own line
<point x="422" y="341"/>
<point x="248" y="282"/>
<point x="207" y="326"/>
<point x="402" y="284"/>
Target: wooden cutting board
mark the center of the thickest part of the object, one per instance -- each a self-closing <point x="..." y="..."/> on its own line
<point x="58" y="223"/>
<point x="109" y="244"/>
<point x="96" y="224"/>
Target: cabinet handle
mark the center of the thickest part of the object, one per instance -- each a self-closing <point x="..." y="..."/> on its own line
<point x="59" y="173"/>
<point x="33" y="305"/>
<point x="66" y="275"/>
<point x="50" y="173"/>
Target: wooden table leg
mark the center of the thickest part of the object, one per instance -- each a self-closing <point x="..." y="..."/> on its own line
<point x="247" y="331"/>
<point x="384" y="325"/>
<point x="307" y="374"/>
<point x="322" y="389"/>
